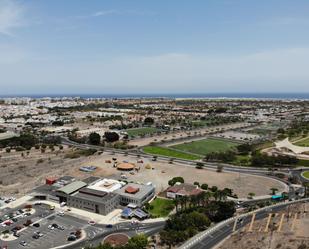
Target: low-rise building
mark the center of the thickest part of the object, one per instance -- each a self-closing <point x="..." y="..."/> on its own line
<point x="183" y="189"/>
<point x="136" y="194"/>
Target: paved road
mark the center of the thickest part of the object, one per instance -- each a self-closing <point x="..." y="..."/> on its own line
<point x="213" y="238"/>
<point x="126" y="228"/>
<point x="227" y="167"/>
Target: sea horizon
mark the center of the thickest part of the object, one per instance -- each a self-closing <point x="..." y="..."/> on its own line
<point x="269" y="95"/>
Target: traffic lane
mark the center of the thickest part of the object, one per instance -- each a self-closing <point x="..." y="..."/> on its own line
<point x="150" y="229"/>
<point x="218" y="235"/>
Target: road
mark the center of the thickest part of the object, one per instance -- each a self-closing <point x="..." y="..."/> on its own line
<point x="126" y="228"/>
<point x="218" y="235"/>
<point x="227" y="167"/>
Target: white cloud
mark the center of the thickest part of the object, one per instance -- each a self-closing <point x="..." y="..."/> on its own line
<point x="110" y="12"/>
<point x="105" y="12"/>
<point x="10" y="16"/>
<point x="275" y="70"/>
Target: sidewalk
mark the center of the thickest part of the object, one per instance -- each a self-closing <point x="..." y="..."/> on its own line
<point x="111" y="218"/>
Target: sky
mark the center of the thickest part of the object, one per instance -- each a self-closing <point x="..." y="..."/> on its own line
<point x="158" y="46"/>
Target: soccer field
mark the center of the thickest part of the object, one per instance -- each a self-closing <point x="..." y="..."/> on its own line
<point x="206" y="146"/>
<point x="156" y="150"/>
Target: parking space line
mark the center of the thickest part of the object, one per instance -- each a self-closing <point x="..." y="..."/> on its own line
<point x="251" y="224"/>
<point x="281" y="221"/>
<point x="293" y="222"/>
<point x="268" y="221"/>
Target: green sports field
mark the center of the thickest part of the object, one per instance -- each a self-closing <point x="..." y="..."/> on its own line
<point x="206" y="146"/>
<point x="156" y="150"/>
<point x="306" y="174"/>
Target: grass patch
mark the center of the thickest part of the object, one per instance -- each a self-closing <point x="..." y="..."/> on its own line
<point x="141" y="131"/>
<point x="302" y="162"/>
<point x="206" y="146"/>
<point x="242" y="160"/>
<point x="160" y="207"/>
<point x="303" y="142"/>
<point x="306" y="174"/>
<point x="155" y="150"/>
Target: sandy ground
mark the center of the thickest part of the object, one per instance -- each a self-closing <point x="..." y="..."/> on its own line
<point x="18" y="175"/>
<point x="294" y="232"/>
<point x="181" y="134"/>
<point x="162" y="172"/>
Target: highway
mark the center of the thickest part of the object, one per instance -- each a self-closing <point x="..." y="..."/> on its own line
<point x="214" y="236"/>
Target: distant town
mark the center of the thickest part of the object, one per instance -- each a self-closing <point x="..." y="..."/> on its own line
<point x="153" y="172"/>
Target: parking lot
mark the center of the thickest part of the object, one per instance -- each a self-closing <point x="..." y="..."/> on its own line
<point x="48" y="229"/>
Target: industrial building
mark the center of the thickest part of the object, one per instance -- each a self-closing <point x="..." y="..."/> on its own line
<point x="94" y="194"/>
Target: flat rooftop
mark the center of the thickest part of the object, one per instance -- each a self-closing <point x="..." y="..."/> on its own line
<point x="93" y="195"/>
<point x="105" y="185"/>
<point x="142" y="190"/>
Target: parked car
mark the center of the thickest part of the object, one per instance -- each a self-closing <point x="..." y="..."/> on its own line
<point x="23" y="243"/>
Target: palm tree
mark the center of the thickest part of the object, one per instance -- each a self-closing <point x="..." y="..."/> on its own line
<point x="215" y="194"/>
<point x="273" y="191"/>
<point x="176" y="202"/>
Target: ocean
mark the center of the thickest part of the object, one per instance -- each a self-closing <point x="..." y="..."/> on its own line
<point x="302" y="96"/>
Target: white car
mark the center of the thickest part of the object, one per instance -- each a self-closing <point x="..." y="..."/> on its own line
<point x="61" y="213"/>
<point x="51" y="227"/>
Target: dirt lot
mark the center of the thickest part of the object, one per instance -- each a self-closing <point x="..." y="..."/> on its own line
<point x="19" y="175"/>
<point x="294" y="232"/>
<point x="162" y="172"/>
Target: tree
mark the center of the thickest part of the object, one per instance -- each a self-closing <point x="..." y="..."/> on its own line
<point x="244" y="149"/>
<point x="138" y="242"/>
<point x="94" y="138"/>
<point x="204" y="186"/>
<point x="111" y="136"/>
<point x="273" y="191"/>
<point x="281" y="131"/>
<point x="149" y="121"/>
<point x="173" y="181"/>
<point x="214" y="188"/>
<point x="199" y="165"/>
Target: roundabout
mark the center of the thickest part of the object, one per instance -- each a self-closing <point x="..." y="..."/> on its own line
<point x="305" y="175"/>
<point x="116" y="239"/>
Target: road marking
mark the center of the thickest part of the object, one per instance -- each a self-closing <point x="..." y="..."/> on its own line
<point x="235" y="224"/>
<point x="268" y="221"/>
<point x="251" y="224"/>
<point x="281" y="221"/>
<point x="293" y="223"/>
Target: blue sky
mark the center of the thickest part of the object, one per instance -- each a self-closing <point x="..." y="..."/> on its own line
<point x="159" y="46"/>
